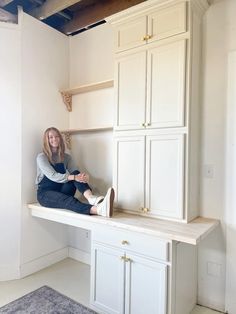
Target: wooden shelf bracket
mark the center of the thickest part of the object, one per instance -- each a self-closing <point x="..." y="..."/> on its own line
<point x="67" y="99"/>
<point x="67" y="139"/>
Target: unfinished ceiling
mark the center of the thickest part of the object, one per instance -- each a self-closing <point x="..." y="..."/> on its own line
<point x="67" y="16"/>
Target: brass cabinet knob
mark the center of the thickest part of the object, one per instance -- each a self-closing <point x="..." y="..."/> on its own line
<point x="123" y="258"/>
<point x="124" y="242"/>
<point x="127" y="259"/>
<point x="143" y="125"/>
<point x="145" y="210"/>
<point x="146" y="37"/>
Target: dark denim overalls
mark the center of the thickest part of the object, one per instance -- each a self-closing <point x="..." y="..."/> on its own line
<point x="61" y="195"/>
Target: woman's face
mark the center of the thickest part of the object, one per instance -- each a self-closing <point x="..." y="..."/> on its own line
<point x="54" y="139"/>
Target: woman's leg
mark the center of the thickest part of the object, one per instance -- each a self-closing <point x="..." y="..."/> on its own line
<point x="86" y="190"/>
<point x="82" y="187"/>
<point x="54" y="199"/>
<point x="68" y="188"/>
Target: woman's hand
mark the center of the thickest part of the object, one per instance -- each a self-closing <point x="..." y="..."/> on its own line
<point x="82" y="177"/>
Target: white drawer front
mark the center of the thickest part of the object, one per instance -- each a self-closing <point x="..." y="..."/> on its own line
<point x="135" y="242"/>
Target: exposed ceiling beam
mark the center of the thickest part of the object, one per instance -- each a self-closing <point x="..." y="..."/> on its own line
<point x="51" y="7"/>
<point x="96" y="12"/>
<point x="7" y="17"/>
<point x="3" y="3"/>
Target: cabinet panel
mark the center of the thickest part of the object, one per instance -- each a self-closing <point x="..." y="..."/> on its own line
<point x="135" y="242"/>
<point x="107" y="279"/>
<point x="165" y="175"/>
<point x="167" y="22"/>
<point x="131" y="34"/>
<point x="129" y="172"/>
<point x="146" y="286"/>
<point x="151" y="26"/>
<point x="166" y="70"/>
<point x="131" y="90"/>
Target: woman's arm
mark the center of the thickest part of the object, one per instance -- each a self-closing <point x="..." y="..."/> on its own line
<point x="71" y="167"/>
<point x="45" y="168"/>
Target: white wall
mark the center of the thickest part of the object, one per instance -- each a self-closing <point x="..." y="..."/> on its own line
<point x="230" y="215"/>
<point x="91" y="57"/>
<point x="91" y="61"/>
<point x="10" y="151"/>
<point x="219" y="40"/>
<point x="45" y="60"/>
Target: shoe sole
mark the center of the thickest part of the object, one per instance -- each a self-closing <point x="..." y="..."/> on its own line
<point x="112" y="196"/>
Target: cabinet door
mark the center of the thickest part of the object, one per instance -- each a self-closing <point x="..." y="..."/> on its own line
<point x="166" y="85"/>
<point x="129" y="170"/>
<point x="165" y="175"/>
<point x="146" y="286"/>
<point x="130" y="91"/>
<point x="167" y="22"/>
<point x="107" y="279"/>
<point x="131" y="34"/>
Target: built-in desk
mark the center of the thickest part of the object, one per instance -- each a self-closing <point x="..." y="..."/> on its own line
<point x="139" y="260"/>
<point x="190" y="233"/>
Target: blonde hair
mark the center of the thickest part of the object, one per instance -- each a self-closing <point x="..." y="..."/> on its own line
<point x="47" y="148"/>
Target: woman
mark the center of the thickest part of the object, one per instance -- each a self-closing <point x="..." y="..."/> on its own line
<point x="58" y="178"/>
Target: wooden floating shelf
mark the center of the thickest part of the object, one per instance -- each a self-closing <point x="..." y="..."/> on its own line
<point x="67" y="133"/>
<point x="68" y="93"/>
<point x="88" y="88"/>
<point x="98" y="129"/>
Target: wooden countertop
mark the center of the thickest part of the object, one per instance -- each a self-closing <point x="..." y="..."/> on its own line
<point x="191" y="233"/>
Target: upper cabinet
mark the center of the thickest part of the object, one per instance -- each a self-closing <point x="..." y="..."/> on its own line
<point x="154" y="25"/>
<point x="142" y="78"/>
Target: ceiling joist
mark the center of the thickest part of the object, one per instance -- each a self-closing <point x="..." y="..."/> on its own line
<point x="96" y="12"/>
<point x="51" y="7"/>
<point x="8" y="17"/>
<point x="3" y="3"/>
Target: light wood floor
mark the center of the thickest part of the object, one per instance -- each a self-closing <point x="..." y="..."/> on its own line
<point x="68" y="277"/>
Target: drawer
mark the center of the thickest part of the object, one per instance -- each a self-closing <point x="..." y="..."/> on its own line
<point x="132" y="241"/>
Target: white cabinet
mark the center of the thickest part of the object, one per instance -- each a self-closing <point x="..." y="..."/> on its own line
<point x="149" y="174"/>
<point x="155" y="24"/>
<point x="126" y="278"/>
<point x="157" y="62"/>
<point x="142" y="79"/>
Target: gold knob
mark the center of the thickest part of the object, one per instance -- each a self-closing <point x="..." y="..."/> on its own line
<point x="123" y="258"/>
<point x="127" y="259"/>
<point x="124" y="242"/>
<point x="145" y="209"/>
<point x="147" y="124"/>
<point x="143" y="38"/>
<point x="143" y="125"/>
<point x="148" y="37"/>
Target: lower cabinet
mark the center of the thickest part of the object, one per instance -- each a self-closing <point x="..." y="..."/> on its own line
<point x="124" y="281"/>
<point x="149" y="174"/>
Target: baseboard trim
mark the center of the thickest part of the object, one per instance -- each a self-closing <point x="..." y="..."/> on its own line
<point x="211" y="304"/>
<point x="79" y="255"/>
<point x="10" y="272"/>
<point x="43" y="262"/>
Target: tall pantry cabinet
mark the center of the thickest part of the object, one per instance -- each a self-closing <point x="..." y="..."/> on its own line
<point x="157" y="69"/>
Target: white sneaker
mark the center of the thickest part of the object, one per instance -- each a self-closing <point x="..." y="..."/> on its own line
<point x="95" y="200"/>
<point x="105" y="208"/>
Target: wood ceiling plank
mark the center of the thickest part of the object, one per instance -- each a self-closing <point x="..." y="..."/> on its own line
<point x="51" y="7"/>
<point x="7" y="16"/>
<point x="3" y="3"/>
<point x="96" y="12"/>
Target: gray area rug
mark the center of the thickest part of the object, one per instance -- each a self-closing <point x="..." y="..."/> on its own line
<point x="43" y="301"/>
